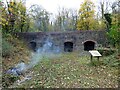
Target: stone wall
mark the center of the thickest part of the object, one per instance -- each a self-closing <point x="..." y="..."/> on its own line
<point x="78" y="38"/>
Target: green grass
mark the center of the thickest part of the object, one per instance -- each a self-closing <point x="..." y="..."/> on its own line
<point x="71" y="71"/>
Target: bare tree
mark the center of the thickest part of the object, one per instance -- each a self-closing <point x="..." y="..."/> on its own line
<point x="40" y="17"/>
<point x="66" y="19"/>
<point x="104" y="6"/>
<point x="116" y="7"/>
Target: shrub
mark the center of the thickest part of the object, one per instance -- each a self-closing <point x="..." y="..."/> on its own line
<point x="106" y="52"/>
<point x="114" y="35"/>
<point x="7" y="49"/>
<point x="111" y="61"/>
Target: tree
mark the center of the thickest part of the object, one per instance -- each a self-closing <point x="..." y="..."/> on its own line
<point x="40" y="17"/>
<point x="4" y="18"/>
<point x="65" y="20"/>
<point x="14" y="17"/>
<point x="108" y="20"/>
<point x="104" y="6"/>
<point x="86" y="18"/>
<point x="21" y="17"/>
<point x="114" y="33"/>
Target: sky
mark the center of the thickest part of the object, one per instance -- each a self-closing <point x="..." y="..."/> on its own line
<point x="53" y="5"/>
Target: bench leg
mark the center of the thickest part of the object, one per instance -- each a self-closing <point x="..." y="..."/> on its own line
<point x="98" y="58"/>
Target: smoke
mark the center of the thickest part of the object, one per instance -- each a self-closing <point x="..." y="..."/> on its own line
<point x="49" y="50"/>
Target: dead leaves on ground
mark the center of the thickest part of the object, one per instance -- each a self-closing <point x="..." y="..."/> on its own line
<point x="70" y="71"/>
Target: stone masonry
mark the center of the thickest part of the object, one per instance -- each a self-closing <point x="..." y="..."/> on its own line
<point x="72" y="40"/>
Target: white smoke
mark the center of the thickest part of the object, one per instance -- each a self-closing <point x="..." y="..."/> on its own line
<point x="49" y="50"/>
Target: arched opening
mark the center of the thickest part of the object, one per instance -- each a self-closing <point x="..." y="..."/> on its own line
<point x="68" y="46"/>
<point x="33" y="45"/>
<point x="89" y="45"/>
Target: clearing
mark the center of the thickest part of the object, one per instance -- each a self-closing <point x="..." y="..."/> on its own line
<point x="70" y="70"/>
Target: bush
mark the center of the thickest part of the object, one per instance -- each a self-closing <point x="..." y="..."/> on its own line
<point x="111" y="61"/>
<point x="8" y="79"/>
<point x="114" y="35"/>
<point x="106" y="52"/>
<point x="7" y="49"/>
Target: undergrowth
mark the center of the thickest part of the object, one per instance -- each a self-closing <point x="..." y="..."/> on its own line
<point x="7" y="48"/>
<point x="13" y="50"/>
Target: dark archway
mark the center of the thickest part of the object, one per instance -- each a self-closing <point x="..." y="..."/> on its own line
<point x="68" y="46"/>
<point x="33" y="45"/>
<point x="89" y="45"/>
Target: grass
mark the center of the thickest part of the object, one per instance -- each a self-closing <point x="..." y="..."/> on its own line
<point x="71" y="71"/>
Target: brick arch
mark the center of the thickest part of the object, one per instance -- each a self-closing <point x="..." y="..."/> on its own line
<point x="90" y="40"/>
<point x="33" y="45"/>
<point x="89" y="45"/>
<point x="68" y="46"/>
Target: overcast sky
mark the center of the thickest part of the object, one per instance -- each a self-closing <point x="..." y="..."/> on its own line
<point x="53" y="5"/>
